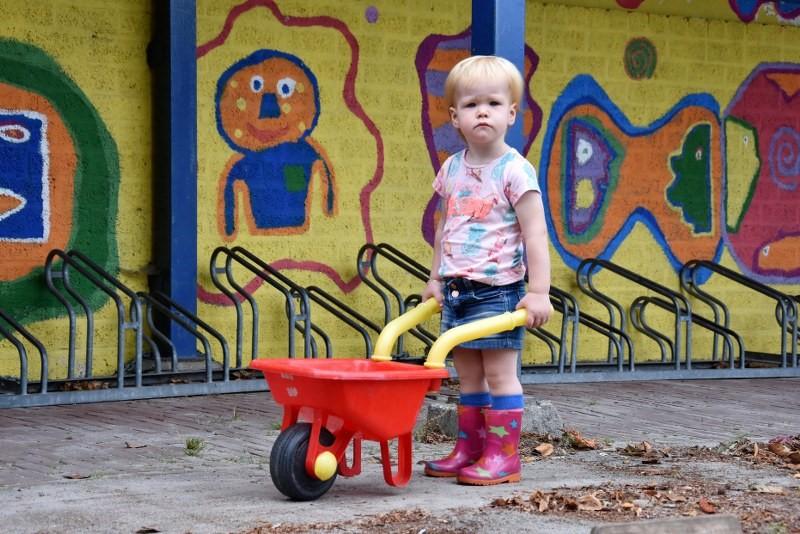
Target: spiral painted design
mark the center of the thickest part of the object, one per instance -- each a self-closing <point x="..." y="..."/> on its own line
<point x="784" y="158"/>
<point x="640" y="58"/>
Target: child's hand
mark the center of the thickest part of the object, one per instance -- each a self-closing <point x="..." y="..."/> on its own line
<point x="538" y="307"/>
<point x="433" y="289"/>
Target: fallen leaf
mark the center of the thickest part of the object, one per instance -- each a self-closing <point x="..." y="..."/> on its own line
<point x="130" y="445"/>
<point x="780" y="449"/>
<point x="794" y="457"/>
<point x="579" y="442"/>
<point x="545" y="449"/>
<point x="76" y="476"/>
<point x="147" y="530"/>
<point x="755" y="450"/>
<point x="541" y="500"/>
<point x="706" y="506"/>
<point x="590" y="503"/>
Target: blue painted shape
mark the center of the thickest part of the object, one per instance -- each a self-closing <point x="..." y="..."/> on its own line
<point x="277" y="180"/>
<point x="583" y="89"/>
<point x="23" y="178"/>
<point x="498" y="28"/>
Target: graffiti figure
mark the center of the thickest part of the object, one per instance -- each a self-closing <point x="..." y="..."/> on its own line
<point x="267" y="104"/>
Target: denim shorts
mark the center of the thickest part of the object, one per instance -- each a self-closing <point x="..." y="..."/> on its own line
<point x="466" y="301"/>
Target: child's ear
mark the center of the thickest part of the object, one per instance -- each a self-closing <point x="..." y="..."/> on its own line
<point x="453" y="117"/>
<point x="512" y="114"/>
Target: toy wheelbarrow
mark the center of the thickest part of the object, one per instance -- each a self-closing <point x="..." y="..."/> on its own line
<point x="328" y="404"/>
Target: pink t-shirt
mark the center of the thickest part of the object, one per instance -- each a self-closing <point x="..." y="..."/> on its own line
<point x="482" y="239"/>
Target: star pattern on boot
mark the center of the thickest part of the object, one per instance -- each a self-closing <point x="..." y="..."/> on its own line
<point x="499" y="431"/>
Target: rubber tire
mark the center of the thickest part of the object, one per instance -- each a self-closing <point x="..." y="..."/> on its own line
<point x="287" y="464"/>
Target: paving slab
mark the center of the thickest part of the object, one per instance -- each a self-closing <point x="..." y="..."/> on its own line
<point x="124" y="467"/>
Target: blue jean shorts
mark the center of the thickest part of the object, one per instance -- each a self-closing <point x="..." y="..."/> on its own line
<point x="466" y="301"/>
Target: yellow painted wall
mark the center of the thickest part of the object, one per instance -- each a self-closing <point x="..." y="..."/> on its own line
<point x="370" y="130"/>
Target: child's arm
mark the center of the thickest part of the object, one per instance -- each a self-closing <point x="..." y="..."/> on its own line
<point x="530" y="213"/>
<point x="434" y="286"/>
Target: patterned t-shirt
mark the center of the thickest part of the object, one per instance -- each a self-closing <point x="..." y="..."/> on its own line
<point x="482" y="240"/>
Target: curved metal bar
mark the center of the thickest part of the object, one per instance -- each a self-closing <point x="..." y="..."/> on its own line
<point x="23" y="358"/>
<point x="363" y="266"/>
<point x="49" y="276"/>
<point x="195" y="320"/>
<point x="36" y="343"/>
<point x="135" y="312"/>
<point x="614" y="309"/>
<point x="567" y="305"/>
<point x="640" y="323"/>
<point x="161" y="337"/>
<point x="787" y="304"/>
<point x="680" y="305"/>
<point x="726" y="334"/>
<point x="404" y="262"/>
<point x="186" y="325"/>
<point x="721" y="313"/>
<point x="290" y="290"/>
<point x="549" y="339"/>
<point x="345" y="314"/>
<point x="71" y="262"/>
<point x="214" y="271"/>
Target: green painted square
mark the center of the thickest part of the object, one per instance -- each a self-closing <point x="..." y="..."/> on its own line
<point x="295" y="178"/>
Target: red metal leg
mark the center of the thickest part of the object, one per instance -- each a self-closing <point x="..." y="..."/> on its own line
<point x="341" y="440"/>
<point x="355" y="468"/>
<point x="290" y="414"/>
<point x="403" y="474"/>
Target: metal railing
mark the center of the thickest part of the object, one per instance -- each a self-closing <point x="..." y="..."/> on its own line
<point x="676" y="349"/>
<point x="785" y="305"/>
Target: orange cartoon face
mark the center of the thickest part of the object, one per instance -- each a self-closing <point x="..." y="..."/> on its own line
<point x="266" y="99"/>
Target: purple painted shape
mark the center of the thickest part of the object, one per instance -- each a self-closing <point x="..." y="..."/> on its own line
<point x="371" y="14"/>
<point x="589" y="159"/>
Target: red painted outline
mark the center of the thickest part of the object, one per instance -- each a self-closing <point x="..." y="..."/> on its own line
<point x="349" y="95"/>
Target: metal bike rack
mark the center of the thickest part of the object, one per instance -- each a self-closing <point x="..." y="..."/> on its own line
<point x="785" y="307"/>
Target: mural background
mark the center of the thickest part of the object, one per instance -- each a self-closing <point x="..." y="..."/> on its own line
<point x="650" y="80"/>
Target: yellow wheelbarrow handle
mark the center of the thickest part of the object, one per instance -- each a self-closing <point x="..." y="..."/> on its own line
<point x="400" y="325"/>
<point x="474" y="330"/>
<point x="442" y="347"/>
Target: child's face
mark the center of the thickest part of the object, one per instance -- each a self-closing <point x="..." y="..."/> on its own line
<point x="483" y="112"/>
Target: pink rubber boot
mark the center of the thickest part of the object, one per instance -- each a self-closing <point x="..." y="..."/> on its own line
<point x="469" y="444"/>
<point x="500" y="460"/>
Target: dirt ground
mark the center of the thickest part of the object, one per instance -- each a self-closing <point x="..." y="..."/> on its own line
<point x="757" y="482"/>
<point x="201" y="465"/>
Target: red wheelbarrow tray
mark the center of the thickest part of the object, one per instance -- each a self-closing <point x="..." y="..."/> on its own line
<point x="375" y="399"/>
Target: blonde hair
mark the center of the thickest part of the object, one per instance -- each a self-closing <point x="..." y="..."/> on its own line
<point x="474" y="68"/>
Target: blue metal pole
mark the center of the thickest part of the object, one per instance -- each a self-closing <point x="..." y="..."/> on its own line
<point x="172" y="56"/>
<point x="498" y="28"/>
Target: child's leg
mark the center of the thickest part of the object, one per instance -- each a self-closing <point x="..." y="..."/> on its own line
<point x="500" y="370"/>
<point x="500" y="459"/>
<point x="473" y="400"/>
<point x="470" y="368"/>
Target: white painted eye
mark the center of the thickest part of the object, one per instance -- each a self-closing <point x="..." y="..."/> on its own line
<point x="765" y="251"/>
<point x="14" y="133"/>
<point x="256" y="84"/>
<point x="285" y="87"/>
<point x="698" y="154"/>
<point x="746" y="140"/>
<point x="584" y="151"/>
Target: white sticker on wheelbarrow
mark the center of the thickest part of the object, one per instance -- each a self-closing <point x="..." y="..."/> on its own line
<point x="287" y="376"/>
<point x="292" y="392"/>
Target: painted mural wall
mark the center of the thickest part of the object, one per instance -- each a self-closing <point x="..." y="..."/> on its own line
<point x="661" y="132"/>
<point x="659" y="136"/>
<point x="75" y="167"/>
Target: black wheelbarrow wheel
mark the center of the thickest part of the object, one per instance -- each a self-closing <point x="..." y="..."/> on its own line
<point x="287" y="464"/>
